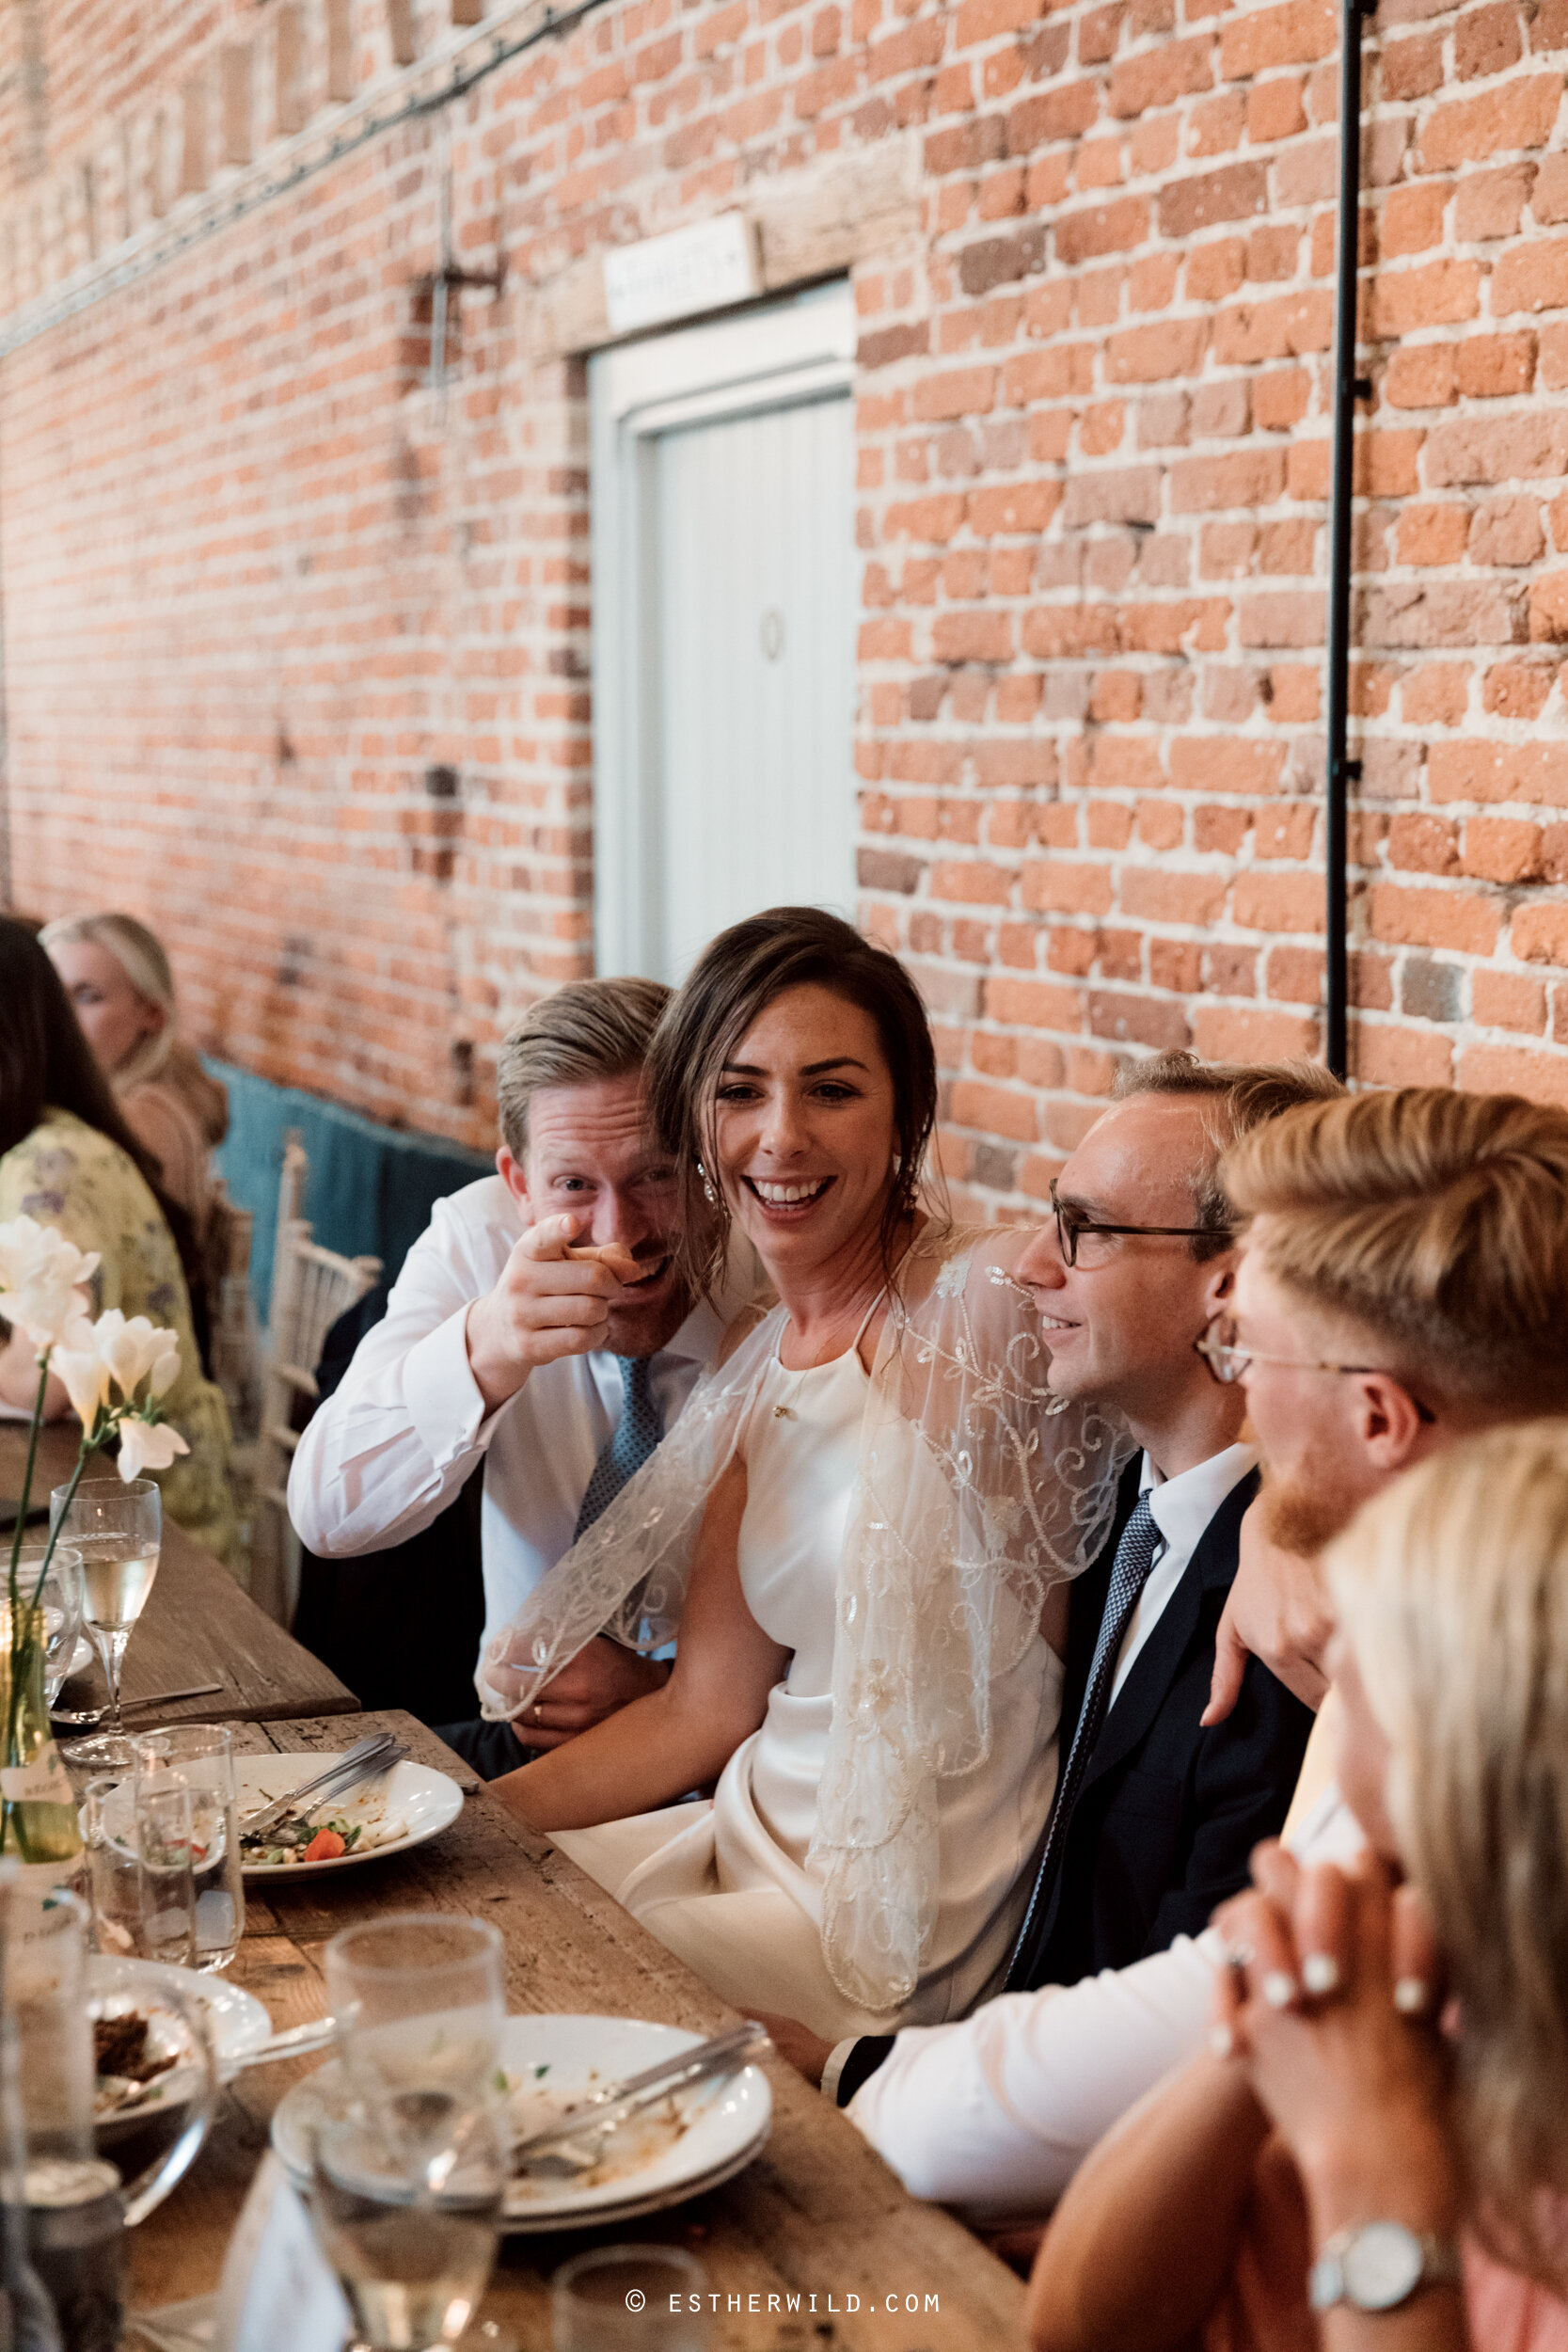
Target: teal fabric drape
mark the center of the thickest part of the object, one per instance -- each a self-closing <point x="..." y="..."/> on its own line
<point x="370" y="1190"/>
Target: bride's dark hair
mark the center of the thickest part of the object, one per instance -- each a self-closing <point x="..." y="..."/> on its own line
<point x="734" y="980"/>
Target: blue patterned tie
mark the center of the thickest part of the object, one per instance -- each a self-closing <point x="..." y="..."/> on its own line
<point x="1140" y="1540"/>
<point x="628" y="1446"/>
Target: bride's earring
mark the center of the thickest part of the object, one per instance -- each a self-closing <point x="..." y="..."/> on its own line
<point x="708" y="1193"/>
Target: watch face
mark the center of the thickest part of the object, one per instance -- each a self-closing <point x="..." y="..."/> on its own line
<point x="1382" y="2265"/>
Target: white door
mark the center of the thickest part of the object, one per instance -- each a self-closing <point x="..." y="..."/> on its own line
<point x="724" y="629"/>
<point x="754" y="784"/>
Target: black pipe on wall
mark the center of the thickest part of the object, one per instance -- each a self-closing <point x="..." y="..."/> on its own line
<point x="1348" y="388"/>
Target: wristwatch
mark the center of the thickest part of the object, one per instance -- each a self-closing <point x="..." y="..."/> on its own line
<point x="1380" y="2265"/>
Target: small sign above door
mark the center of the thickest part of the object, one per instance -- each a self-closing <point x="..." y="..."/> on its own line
<point x="704" y="268"/>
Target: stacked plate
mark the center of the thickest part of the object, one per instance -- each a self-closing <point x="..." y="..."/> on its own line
<point x="716" y="2128"/>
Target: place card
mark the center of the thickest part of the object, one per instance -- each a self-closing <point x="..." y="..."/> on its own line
<point x="277" y="2286"/>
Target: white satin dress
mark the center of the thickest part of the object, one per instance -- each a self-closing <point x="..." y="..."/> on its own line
<point x="726" y="1885"/>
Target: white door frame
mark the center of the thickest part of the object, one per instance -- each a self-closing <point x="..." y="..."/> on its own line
<point x="796" y="350"/>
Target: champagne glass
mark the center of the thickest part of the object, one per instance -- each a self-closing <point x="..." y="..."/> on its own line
<point x="116" y="1526"/>
<point x="405" y="2196"/>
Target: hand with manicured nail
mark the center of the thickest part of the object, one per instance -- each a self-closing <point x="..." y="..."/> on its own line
<point x="1333" y="2014"/>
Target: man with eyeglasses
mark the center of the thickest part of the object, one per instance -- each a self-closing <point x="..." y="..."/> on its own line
<point x="1153" y="1818"/>
<point x="1404" y="1283"/>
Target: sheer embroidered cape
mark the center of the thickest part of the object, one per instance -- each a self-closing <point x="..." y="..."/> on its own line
<point x="976" y="1492"/>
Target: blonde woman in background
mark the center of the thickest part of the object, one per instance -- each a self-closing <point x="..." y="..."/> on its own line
<point x="121" y="989"/>
<point x="1345" y="2173"/>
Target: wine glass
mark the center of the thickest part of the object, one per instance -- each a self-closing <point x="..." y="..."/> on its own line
<point x="406" y="2194"/>
<point x="630" y="2298"/>
<point x="116" y="1528"/>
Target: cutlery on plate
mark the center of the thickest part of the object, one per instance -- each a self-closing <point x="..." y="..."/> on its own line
<point x="297" y="1817"/>
<point x="574" y="2140"/>
<point x="288" y="2041"/>
<point x="84" y="1718"/>
<point x="354" y="1763"/>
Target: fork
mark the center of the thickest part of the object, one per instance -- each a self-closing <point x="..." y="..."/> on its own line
<point x="356" y="1763"/>
<point x="572" y="2140"/>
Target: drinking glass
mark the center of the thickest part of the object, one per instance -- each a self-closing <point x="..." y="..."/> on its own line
<point x="630" y="2298"/>
<point x="201" y="1756"/>
<point x="116" y="1528"/>
<point x="405" y="2196"/>
<point x="59" y="1597"/>
<point x="141" y="1879"/>
<point x="419" y="2002"/>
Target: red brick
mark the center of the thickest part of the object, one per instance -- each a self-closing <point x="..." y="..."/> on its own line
<point x="996" y="1109"/>
<point x="1468" y="130"/>
<point x="1104" y="228"/>
<point x="1424" y="845"/>
<point x="1439" y="294"/>
<point x="1435" y="696"/>
<point x="1488" y="40"/>
<point x="1517" y="689"/>
<point x="1299" y="32"/>
<point x="1506" y="1000"/>
<point x="1384" y="1054"/>
<point x="1205" y="485"/>
<point x="1241" y="1033"/>
<point x="1433" y="918"/>
<point x="1421" y="377"/>
<point x="1155" y="895"/>
<point x="1159" y="76"/>
<point x="1532" y="277"/>
<point x="1491" y="367"/>
<point x="1540" y="935"/>
<point x="1490" y="203"/>
<point x="1502" y="850"/>
<point x="1532" y="772"/>
<point x="1511" y="1069"/>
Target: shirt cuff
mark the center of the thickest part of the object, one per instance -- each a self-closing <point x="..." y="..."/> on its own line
<point x="442" y="1396"/>
<point x="852" y="2063"/>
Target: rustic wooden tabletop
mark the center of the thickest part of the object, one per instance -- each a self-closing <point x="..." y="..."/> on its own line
<point x="817" y="2215"/>
<point x="198" y="1626"/>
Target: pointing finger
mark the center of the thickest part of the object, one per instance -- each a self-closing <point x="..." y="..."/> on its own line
<point x="551" y="1237"/>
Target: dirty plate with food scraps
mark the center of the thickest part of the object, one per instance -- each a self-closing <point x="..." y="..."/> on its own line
<point x="136" y="2025"/>
<point x="686" y="2144"/>
<point x="384" y="1816"/>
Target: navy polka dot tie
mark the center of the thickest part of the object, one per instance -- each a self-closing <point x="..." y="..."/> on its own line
<point x="629" y="1444"/>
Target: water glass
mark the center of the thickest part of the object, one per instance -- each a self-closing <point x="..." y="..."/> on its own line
<point x="57" y="1591"/>
<point x="201" y="1756"/>
<point x="405" y="2196"/>
<point x="116" y="1527"/>
<point x="142" y="1882"/>
<point x="630" y="2298"/>
<point x="420" y="2001"/>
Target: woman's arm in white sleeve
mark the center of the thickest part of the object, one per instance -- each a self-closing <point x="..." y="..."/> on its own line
<point x="996" y="2113"/>
<point x="384" y="1456"/>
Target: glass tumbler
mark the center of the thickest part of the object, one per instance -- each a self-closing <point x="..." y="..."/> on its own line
<point x="141" y="1880"/>
<point x="202" y="1756"/>
<point x="420" y="2001"/>
<point x="630" y="2298"/>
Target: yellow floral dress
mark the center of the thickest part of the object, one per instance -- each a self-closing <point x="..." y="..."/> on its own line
<point x="68" y="1175"/>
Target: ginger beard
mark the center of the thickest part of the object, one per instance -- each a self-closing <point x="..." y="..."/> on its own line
<point x="1301" y="1514"/>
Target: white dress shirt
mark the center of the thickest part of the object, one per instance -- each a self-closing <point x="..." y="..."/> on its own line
<point x="1183" y="1507"/>
<point x="996" y="2113"/>
<point x="387" y="1453"/>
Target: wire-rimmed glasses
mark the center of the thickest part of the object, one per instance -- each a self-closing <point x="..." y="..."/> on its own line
<point x="1229" y="1362"/>
<point x="1073" y="1228"/>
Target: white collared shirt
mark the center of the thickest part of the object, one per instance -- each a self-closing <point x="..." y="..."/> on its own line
<point x="1183" y="1507"/>
<point x="387" y="1453"/>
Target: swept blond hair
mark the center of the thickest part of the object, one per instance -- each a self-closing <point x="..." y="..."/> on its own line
<point x="1437" y="1220"/>
<point x="1452" y="1592"/>
<point x="588" y="1031"/>
<point x="164" y="1054"/>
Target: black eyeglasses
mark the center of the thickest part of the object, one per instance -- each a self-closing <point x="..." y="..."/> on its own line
<point x="1073" y="1230"/>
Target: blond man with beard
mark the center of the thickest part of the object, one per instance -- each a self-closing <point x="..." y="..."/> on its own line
<point x="1405" y="1282"/>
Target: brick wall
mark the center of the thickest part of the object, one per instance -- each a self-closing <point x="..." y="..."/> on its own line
<point x="297" y="651"/>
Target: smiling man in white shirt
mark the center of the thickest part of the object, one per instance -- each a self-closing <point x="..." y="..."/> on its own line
<point x="541" y="1326"/>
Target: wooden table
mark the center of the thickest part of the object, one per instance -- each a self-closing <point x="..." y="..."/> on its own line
<point x="817" y="2213"/>
<point x="198" y="1626"/>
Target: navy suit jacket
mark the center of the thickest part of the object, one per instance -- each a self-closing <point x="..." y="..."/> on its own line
<point x="1167" y="1812"/>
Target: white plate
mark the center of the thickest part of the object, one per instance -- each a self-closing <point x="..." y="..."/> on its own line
<point x="725" y="2123"/>
<point x="425" y="1801"/>
<point x="236" y="2021"/>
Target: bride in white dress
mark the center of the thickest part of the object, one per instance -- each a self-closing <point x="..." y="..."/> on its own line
<point x="863" y="1523"/>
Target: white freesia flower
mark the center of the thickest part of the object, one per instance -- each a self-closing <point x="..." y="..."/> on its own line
<point x="43" y="1274"/>
<point x="76" y="1362"/>
<point x="131" y="1348"/>
<point x="146" y="1445"/>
